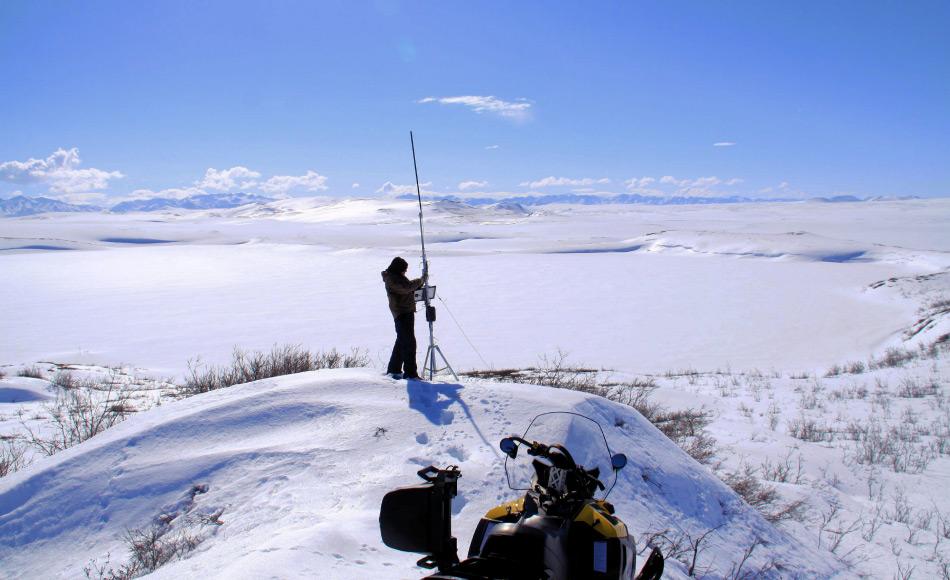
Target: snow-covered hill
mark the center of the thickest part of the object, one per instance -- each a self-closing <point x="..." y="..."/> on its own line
<point x="22" y="205"/>
<point x="284" y="477"/>
<point x="197" y="202"/>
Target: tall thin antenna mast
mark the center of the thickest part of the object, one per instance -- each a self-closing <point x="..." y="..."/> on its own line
<point x="426" y="295"/>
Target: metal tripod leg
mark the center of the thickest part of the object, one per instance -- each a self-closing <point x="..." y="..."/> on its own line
<point x="430" y="363"/>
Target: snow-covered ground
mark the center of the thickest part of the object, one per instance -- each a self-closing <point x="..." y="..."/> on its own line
<point x="292" y="471"/>
<point x="742" y="309"/>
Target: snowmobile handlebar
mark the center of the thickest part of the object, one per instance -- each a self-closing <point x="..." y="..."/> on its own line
<point x="559" y="456"/>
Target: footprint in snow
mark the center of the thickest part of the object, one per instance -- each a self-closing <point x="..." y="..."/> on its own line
<point x="458" y="453"/>
<point x="422" y="438"/>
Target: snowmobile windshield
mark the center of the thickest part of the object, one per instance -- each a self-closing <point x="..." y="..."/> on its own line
<point x="580" y="435"/>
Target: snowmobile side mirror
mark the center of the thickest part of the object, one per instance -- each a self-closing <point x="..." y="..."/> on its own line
<point x="509" y="447"/>
<point x="618" y="461"/>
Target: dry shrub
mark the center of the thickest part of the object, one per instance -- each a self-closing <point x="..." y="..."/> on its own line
<point x="12" y="456"/>
<point x="32" y="372"/>
<point x="854" y="367"/>
<point x="553" y="371"/>
<point x="149" y="549"/>
<point x="80" y="414"/>
<point x="744" y="482"/>
<point x="685" y="427"/>
<point x="764" y="498"/>
<point x="899" y="448"/>
<point x="784" y="470"/>
<point x="892" y="357"/>
<point x="808" y="429"/>
<point x="636" y="394"/>
<point x="913" y="388"/>
<point x="65" y="380"/>
<point x="247" y="367"/>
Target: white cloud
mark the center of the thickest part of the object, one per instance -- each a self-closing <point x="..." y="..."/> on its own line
<point x="709" y="186"/>
<point x="517" y="110"/>
<point x="723" y="144"/>
<point x="355" y="186"/>
<point x="639" y="182"/>
<point x="557" y="181"/>
<point x="643" y="186"/>
<point x="227" y="179"/>
<point x="492" y="147"/>
<point x="705" y="182"/>
<point x="390" y="188"/>
<point x="60" y="171"/>
<point x="472" y="185"/>
<point x="670" y="180"/>
<point x="282" y="184"/>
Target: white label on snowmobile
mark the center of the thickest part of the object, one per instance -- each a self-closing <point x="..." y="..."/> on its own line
<point x="600" y="557"/>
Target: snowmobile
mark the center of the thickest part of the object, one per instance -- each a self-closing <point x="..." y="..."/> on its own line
<point x="561" y="528"/>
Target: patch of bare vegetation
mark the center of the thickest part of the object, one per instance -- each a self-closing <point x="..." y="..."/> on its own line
<point x="149" y="549"/>
<point x="686" y="428"/>
<point x="553" y="371"/>
<point x="246" y="367"/>
<point x="12" y="456"/>
<point x="172" y="536"/>
<point x="849" y="368"/>
<point x="763" y="497"/>
<point x="79" y="413"/>
<point x="32" y="372"/>
<point x="688" y="548"/>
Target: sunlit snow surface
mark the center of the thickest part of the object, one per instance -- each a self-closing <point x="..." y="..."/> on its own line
<point x="627" y="287"/>
<point x="756" y="295"/>
<point x="299" y="467"/>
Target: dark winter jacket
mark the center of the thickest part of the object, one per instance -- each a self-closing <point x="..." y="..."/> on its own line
<point x="400" y="291"/>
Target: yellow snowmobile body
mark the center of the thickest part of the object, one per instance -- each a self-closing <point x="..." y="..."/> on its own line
<point x="558" y="530"/>
<point x="591" y="543"/>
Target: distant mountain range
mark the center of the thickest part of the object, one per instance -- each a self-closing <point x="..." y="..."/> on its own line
<point x="633" y="198"/>
<point x="205" y="201"/>
<point x="24" y="206"/>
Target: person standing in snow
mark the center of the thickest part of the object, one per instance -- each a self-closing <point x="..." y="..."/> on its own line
<point x="402" y="303"/>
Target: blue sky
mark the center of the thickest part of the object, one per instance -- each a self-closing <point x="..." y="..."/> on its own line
<point x="125" y="99"/>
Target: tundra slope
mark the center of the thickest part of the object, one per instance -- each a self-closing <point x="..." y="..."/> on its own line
<point x="284" y="477"/>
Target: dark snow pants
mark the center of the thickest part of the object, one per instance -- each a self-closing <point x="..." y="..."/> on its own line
<point x="403" y="359"/>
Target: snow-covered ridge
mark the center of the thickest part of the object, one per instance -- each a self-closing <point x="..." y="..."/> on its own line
<point x="22" y="205"/>
<point x="25" y="206"/>
<point x="287" y="474"/>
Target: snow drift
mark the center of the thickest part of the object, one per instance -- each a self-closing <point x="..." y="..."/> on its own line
<point x="284" y="477"/>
